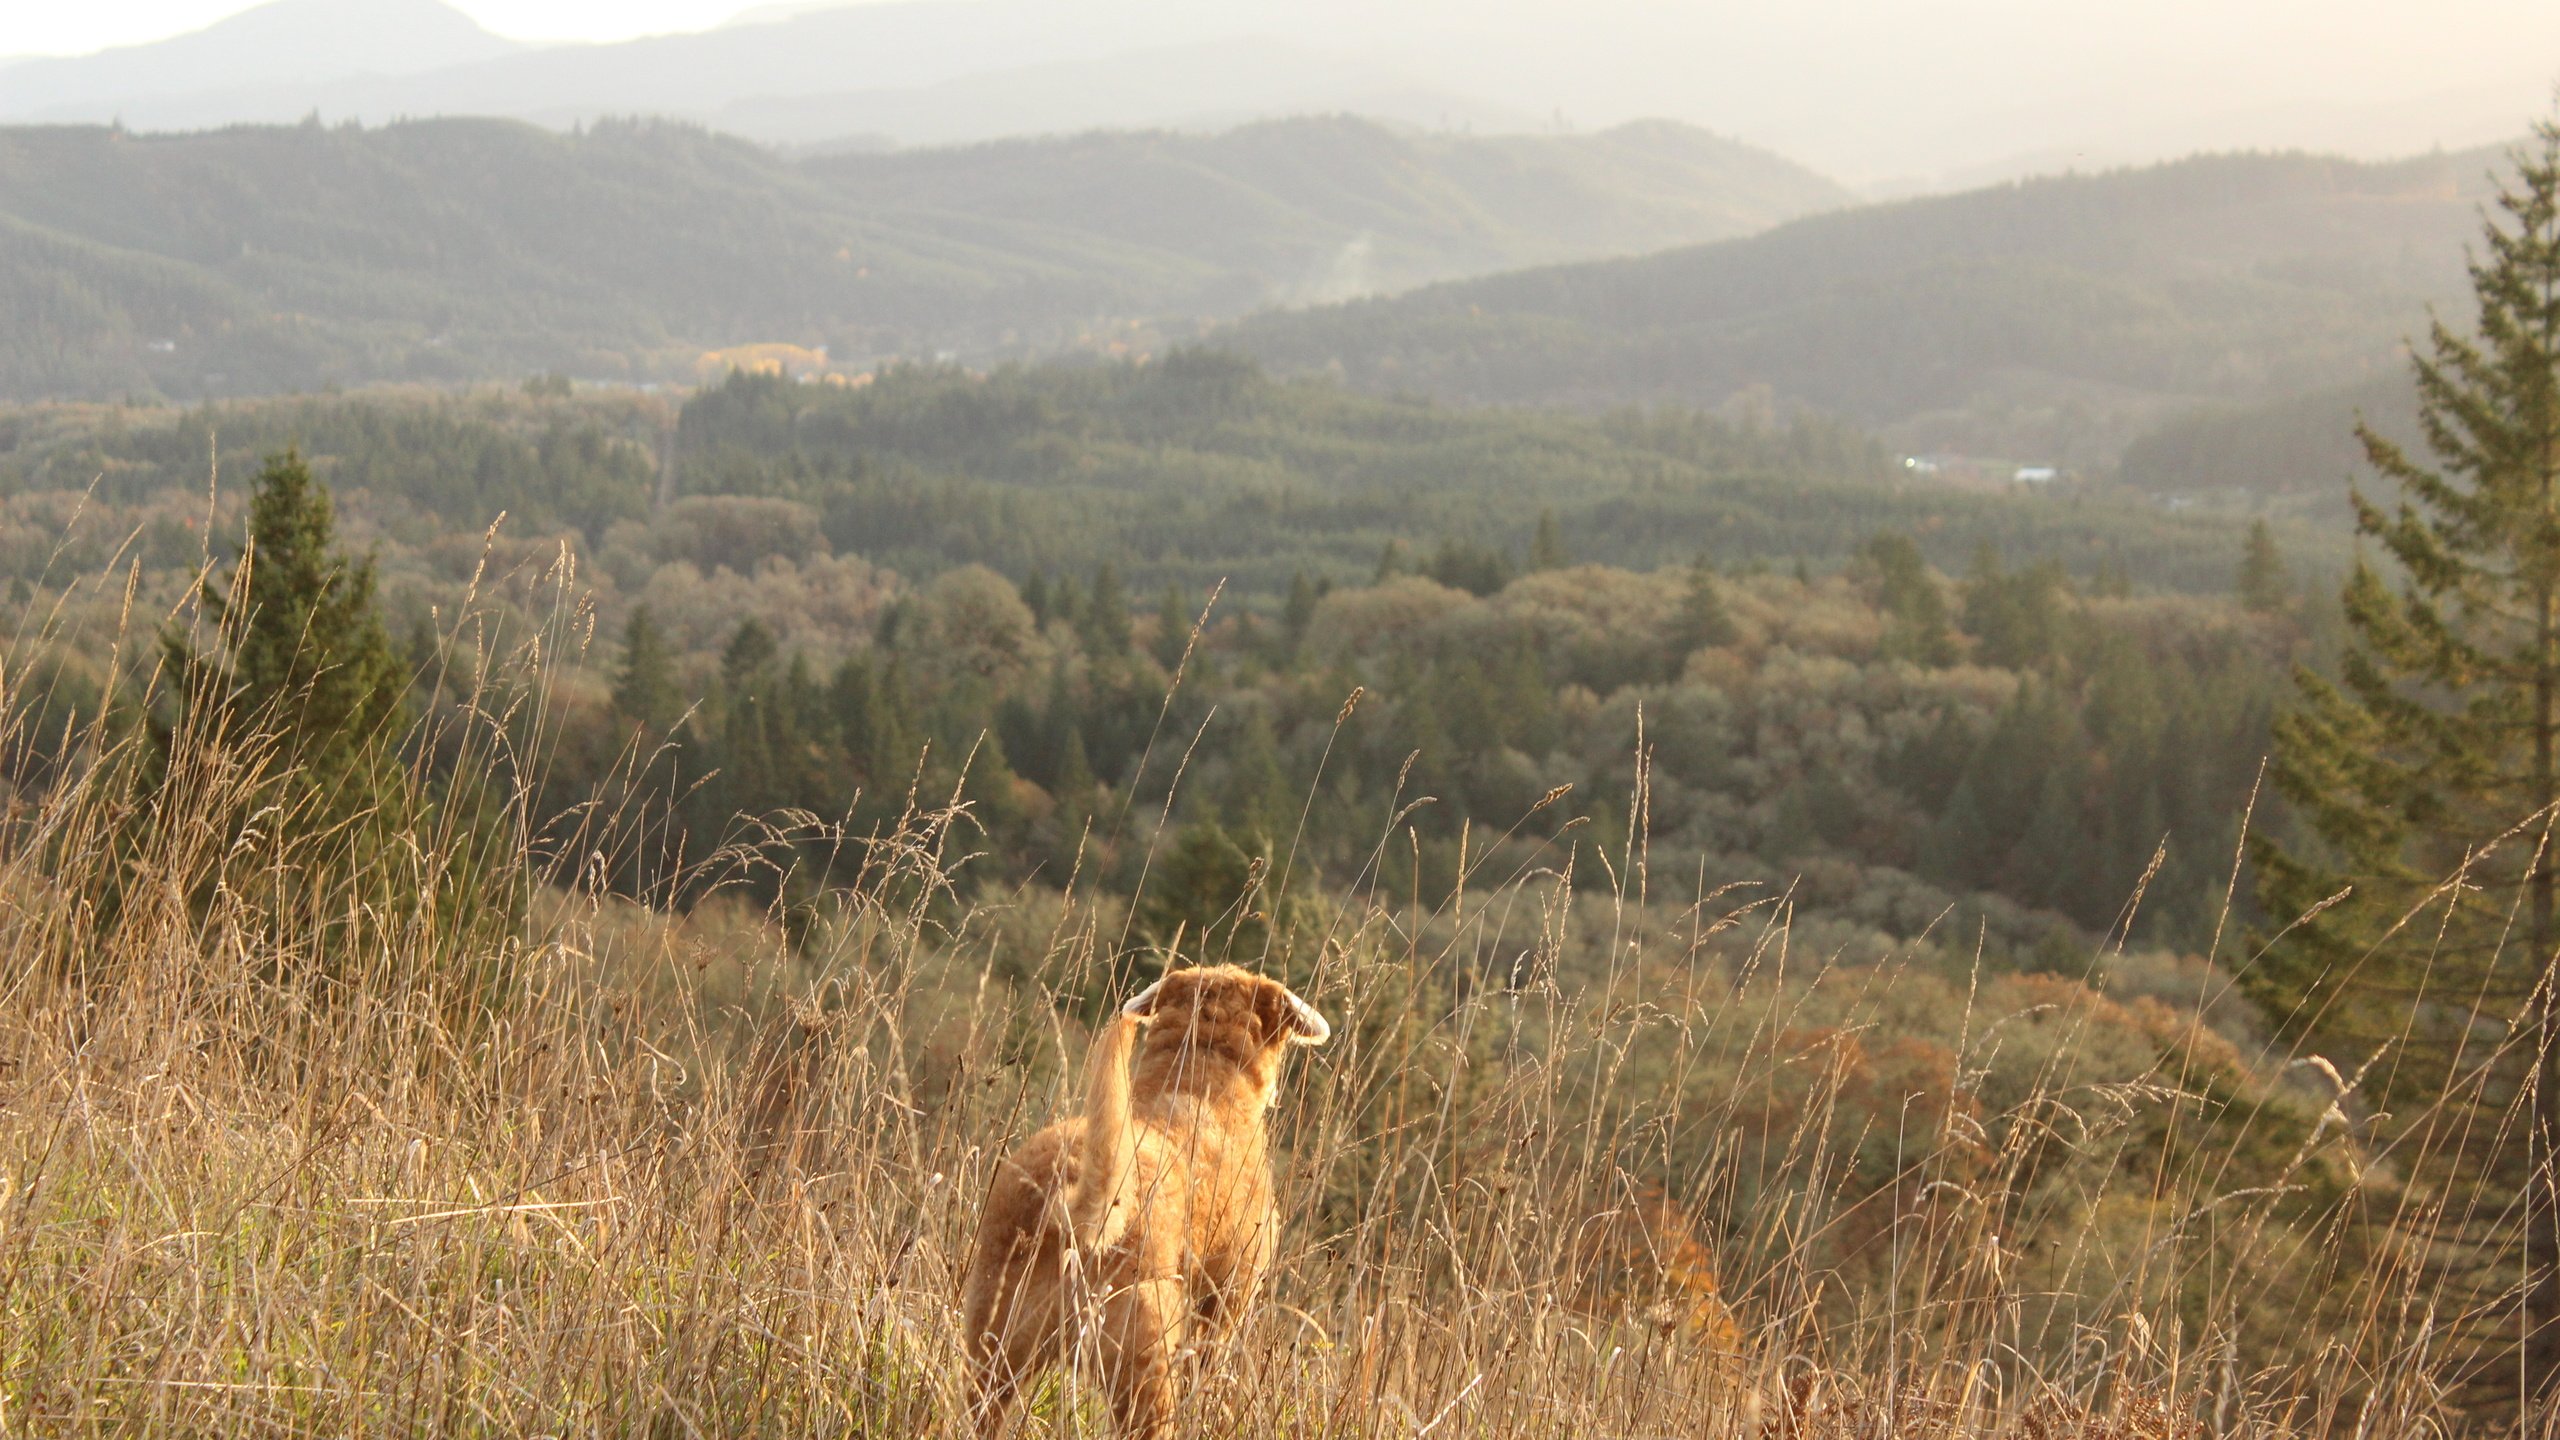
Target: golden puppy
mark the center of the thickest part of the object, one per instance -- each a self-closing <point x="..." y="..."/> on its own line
<point x="1141" y="1228"/>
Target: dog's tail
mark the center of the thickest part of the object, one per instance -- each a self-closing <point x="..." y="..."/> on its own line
<point x="1096" y="1213"/>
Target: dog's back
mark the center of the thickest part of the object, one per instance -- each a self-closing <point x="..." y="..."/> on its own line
<point x="1160" y="1191"/>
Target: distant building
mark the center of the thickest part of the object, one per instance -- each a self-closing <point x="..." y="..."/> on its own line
<point x="2037" y="475"/>
<point x="770" y="358"/>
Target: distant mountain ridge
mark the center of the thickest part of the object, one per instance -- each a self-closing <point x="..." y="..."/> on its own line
<point x="287" y="42"/>
<point x="2053" y="319"/>
<point x="1205" y="86"/>
<point x="266" y="258"/>
<point x="916" y="72"/>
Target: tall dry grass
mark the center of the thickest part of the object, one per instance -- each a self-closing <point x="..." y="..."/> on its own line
<point x="1579" y="1162"/>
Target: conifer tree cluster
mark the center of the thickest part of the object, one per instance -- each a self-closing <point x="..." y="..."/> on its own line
<point x="290" y="687"/>
<point x="2421" y="928"/>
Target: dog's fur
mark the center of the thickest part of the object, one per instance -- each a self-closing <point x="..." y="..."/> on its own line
<point x="1146" y="1224"/>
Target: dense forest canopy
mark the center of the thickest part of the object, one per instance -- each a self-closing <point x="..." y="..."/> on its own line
<point x="1910" y="696"/>
<point x="1193" y="470"/>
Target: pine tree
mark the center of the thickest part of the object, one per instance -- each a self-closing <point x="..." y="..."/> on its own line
<point x="1035" y="598"/>
<point x="306" y="648"/>
<point x="751" y="648"/>
<point x="1217" y="892"/>
<point x="896" y="740"/>
<point x="797" y="724"/>
<point x="1173" y="628"/>
<point x="1917" y="628"/>
<point x="852" y="701"/>
<point x="1391" y="563"/>
<point x="1066" y="606"/>
<point x="751" y="780"/>
<point x="2262" y="579"/>
<point x="301" y="672"/>
<point x="1472" y="568"/>
<point x="1076" y="780"/>
<point x="1546" y="551"/>
<point x="2017" y="615"/>
<point x="645" y="690"/>
<point x="2437" y="750"/>
<point x="1104" y="621"/>
<point x="1299" y="615"/>
<point x="1702" y="622"/>
<point x="1256" y="796"/>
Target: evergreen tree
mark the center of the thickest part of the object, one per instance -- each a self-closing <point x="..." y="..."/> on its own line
<point x="1702" y="622"/>
<point x="896" y="620"/>
<point x="1173" y="628"/>
<point x="1918" y="630"/>
<point x="751" y="648"/>
<point x="1472" y="568"/>
<point x="2437" y="750"/>
<point x="422" y="653"/>
<point x="750" y="780"/>
<point x="301" y="673"/>
<point x="1035" y="598"/>
<point x="645" y="689"/>
<point x="305" y="650"/>
<point x="1256" y="794"/>
<point x="896" y="740"/>
<point x="2018" y="616"/>
<point x="798" y="725"/>
<point x="1391" y="563"/>
<point x="1546" y="551"/>
<point x="1217" y="893"/>
<point x="851" y="697"/>
<point x="1066" y="605"/>
<point x="1962" y="847"/>
<point x="2262" y="579"/>
<point x="1299" y="614"/>
<point x="1104" y="623"/>
<point x="1076" y="780"/>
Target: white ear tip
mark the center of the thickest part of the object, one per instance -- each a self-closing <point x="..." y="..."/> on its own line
<point x="1143" y="1003"/>
<point x="1312" y="1028"/>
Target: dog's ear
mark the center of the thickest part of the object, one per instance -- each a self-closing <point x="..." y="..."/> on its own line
<point x="1306" y="1027"/>
<point x="1142" y="1006"/>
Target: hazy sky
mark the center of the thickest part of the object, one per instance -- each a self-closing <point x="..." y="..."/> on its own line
<point x="33" y="28"/>
<point x="1872" y="90"/>
<point x="2385" y="32"/>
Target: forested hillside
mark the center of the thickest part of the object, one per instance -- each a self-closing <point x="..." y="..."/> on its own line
<point x="2051" y="320"/>
<point x="262" y="259"/>
<point x="1192" y="470"/>
<point x="2301" y="449"/>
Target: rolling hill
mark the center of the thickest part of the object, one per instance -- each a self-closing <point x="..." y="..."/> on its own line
<point x="282" y="46"/>
<point x="908" y="72"/>
<point x="263" y="258"/>
<point x="2054" y="319"/>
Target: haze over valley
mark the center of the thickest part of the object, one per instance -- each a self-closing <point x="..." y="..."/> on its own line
<point x="1877" y="96"/>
